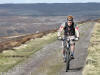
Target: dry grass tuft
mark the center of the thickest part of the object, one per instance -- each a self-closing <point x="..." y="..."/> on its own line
<point x="93" y="60"/>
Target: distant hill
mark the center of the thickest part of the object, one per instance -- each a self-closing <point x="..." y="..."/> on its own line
<point x="18" y="19"/>
<point x="56" y="9"/>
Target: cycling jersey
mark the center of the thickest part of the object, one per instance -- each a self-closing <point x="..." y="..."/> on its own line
<point x="72" y="30"/>
<point x="69" y="30"/>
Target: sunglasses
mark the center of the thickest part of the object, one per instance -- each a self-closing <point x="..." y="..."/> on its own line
<point x="69" y="21"/>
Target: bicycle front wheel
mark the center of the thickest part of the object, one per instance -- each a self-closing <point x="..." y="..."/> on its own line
<point x="67" y="60"/>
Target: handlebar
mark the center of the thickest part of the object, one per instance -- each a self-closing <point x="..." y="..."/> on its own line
<point x="62" y="39"/>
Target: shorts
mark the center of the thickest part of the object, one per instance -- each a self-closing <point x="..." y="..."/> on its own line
<point x="71" y="42"/>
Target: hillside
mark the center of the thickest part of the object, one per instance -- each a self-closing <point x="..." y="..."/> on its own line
<point x="8" y="42"/>
<point x="56" y="9"/>
<point x="19" y="19"/>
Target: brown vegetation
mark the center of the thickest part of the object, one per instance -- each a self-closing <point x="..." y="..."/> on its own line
<point x="9" y="44"/>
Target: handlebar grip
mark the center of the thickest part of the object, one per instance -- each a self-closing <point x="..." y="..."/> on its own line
<point x="60" y="39"/>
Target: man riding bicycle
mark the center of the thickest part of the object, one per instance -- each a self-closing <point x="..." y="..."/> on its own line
<point x="71" y="31"/>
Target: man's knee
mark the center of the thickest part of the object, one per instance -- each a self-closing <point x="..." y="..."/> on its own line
<point x="64" y="48"/>
<point x="72" y="43"/>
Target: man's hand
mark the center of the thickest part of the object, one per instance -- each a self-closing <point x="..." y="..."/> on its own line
<point x="59" y="37"/>
<point x="77" y="38"/>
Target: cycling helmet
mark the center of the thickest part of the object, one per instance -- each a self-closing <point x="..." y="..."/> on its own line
<point x="70" y="18"/>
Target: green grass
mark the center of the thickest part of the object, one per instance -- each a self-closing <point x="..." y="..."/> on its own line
<point x="10" y="58"/>
<point x="6" y="63"/>
<point x="93" y="60"/>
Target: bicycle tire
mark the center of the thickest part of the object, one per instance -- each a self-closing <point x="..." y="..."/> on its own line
<point x="67" y="60"/>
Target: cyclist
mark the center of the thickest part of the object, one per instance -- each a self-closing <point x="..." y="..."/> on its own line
<point x="71" y="31"/>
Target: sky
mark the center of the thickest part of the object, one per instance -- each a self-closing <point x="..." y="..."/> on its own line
<point x="46" y="1"/>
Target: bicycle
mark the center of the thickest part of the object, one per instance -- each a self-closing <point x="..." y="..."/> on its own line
<point x="68" y="52"/>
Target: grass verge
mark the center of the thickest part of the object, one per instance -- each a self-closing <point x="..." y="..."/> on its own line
<point x="10" y="58"/>
<point x="93" y="60"/>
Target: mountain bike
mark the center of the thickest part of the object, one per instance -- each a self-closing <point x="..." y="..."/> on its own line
<point x="67" y="52"/>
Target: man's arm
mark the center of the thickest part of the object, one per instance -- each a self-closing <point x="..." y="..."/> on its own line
<point x="77" y="31"/>
<point x="61" y="29"/>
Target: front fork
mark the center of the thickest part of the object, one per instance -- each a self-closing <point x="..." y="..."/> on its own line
<point x="68" y="50"/>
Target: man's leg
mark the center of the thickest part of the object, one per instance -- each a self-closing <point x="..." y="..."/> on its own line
<point x="72" y="49"/>
<point x="63" y="50"/>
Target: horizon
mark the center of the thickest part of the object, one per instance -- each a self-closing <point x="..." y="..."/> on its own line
<point x="46" y="1"/>
<point x="51" y="3"/>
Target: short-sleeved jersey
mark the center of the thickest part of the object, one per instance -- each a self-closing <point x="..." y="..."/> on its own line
<point x="69" y="30"/>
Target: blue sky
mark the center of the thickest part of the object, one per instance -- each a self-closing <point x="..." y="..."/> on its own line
<point x="47" y="1"/>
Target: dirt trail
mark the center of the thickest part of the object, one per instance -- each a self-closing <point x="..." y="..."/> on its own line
<point x="44" y="60"/>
